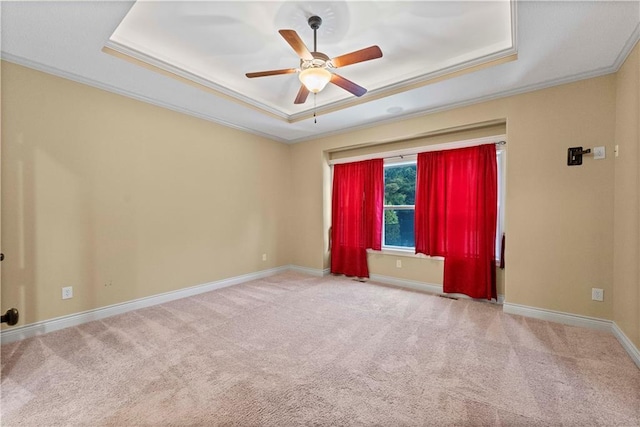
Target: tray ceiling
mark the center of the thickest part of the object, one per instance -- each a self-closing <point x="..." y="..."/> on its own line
<point x="195" y="54"/>
<point x="216" y="43"/>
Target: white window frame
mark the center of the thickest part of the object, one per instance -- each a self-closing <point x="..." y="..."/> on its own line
<point x="392" y="162"/>
<point x="501" y="155"/>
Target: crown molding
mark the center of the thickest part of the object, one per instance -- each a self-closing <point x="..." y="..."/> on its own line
<point x="478" y="100"/>
<point x="153" y="64"/>
<point x="15" y="59"/>
<point x="614" y="67"/>
<point x="627" y="48"/>
<point x="412" y="83"/>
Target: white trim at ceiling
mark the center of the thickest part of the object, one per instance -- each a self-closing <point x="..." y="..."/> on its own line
<point x="129" y="94"/>
<point x="165" y="66"/>
<point x="622" y="56"/>
<point x="624" y="53"/>
<point x="132" y="54"/>
<point x="627" y="48"/>
<point x="156" y="65"/>
<point x="409" y="84"/>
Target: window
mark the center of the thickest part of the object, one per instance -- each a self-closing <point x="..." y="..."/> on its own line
<point x="400" y="170"/>
<point x="399" y="204"/>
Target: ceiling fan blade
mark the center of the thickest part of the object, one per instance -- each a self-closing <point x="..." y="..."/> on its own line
<point x="297" y="44"/>
<point x="271" y="73"/>
<point x="302" y="95"/>
<point x="366" y="54"/>
<point x="347" y="85"/>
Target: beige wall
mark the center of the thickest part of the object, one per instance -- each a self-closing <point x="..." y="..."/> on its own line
<point x="626" y="291"/>
<point x="122" y="200"/>
<point x="559" y="219"/>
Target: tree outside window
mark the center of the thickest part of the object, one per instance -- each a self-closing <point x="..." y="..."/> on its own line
<point x="399" y="205"/>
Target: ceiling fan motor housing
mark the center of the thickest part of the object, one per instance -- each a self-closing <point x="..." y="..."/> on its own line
<point x="315" y="22"/>
<point x="319" y="60"/>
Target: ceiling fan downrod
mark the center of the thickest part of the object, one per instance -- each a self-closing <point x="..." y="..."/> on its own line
<point x="314" y="23"/>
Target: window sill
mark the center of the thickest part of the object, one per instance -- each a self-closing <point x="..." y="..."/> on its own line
<point x="410" y="254"/>
<point x="404" y="253"/>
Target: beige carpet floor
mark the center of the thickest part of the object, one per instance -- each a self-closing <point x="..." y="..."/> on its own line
<point x="298" y="350"/>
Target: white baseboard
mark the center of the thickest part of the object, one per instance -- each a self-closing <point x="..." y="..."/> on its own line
<point x="409" y="284"/>
<point x="50" y="325"/>
<point x="626" y="343"/>
<point x="45" y="326"/>
<point x="424" y="287"/>
<point x="311" y="271"/>
<point x="557" y="316"/>
<point x="576" y="320"/>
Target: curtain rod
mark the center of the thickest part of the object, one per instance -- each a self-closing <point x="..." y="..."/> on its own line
<point x="413" y="151"/>
<point x="402" y="156"/>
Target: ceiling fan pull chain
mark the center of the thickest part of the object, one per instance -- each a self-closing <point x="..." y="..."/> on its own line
<point x="314" y="108"/>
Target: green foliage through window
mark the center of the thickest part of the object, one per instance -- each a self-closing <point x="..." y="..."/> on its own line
<point x="399" y="200"/>
<point x="400" y="185"/>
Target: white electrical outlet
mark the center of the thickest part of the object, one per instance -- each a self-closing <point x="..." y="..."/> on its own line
<point x="398" y="263"/>
<point x="597" y="294"/>
<point x="598" y="153"/>
<point x="67" y="292"/>
<point x="264" y="257"/>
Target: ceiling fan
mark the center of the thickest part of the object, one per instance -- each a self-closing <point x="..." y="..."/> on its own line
<point x="315" y="67"/>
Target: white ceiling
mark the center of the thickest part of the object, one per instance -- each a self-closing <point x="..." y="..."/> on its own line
<point x="216" y="43"/>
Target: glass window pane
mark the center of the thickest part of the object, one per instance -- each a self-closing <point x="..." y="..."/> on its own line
<point x="400" y="185"/>
<point x="398" y="227"/>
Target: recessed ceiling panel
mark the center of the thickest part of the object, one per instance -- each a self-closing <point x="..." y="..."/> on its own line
<point x="216" y="43"/>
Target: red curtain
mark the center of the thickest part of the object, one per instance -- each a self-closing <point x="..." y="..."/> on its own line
<point x="456" y="212"/>
<point x="358" y="192"/>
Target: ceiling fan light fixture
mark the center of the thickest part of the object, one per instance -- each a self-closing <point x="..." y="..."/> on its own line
<point x="315" y="78"/>
<point x="314" y="68"/>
